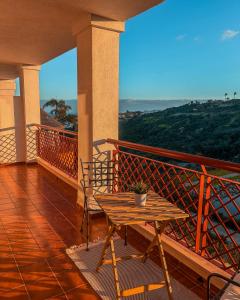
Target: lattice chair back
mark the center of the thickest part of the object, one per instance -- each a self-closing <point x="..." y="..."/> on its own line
<point x="98" y="176"/>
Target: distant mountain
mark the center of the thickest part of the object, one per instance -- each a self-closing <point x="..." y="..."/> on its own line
<point x="149" y="105"/>
<point x="210" y="129"/>
<point x="134" y="105"/>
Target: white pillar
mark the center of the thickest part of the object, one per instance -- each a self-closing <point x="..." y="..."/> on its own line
<point x="7" y="92"/>
<point x="30" y="93"/>
<point x="8" y="153"/>
<point x="30" y="106"/>
<point x="98" y="82"/>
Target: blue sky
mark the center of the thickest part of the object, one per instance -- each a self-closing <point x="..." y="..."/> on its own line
<point x="177" y="50"/>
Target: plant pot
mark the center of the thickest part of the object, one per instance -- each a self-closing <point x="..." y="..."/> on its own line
<point x="140" y="199"/>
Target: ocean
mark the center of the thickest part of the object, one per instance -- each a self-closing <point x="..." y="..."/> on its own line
<point x="133" y="105"/>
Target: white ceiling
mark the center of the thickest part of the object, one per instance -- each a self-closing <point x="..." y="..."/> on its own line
<point x="35" y="31"/>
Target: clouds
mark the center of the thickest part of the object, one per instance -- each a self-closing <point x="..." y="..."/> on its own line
<point x="181" y="37"/>
<point x="229" y="34"/>
<point x="197" y="39"/>
<point x="185" y="36"/>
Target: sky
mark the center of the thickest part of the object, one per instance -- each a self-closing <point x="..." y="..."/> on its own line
<point x="186" y="49"/>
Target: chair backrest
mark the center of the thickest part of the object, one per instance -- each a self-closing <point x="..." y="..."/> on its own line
<point x="98" y="176"/>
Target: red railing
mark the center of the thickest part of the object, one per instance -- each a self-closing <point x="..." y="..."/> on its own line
<point x="59" y="148"/>
<point x="212" y="202"/>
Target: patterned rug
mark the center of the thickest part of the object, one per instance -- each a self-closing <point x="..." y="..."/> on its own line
<point x="132" y="273"/>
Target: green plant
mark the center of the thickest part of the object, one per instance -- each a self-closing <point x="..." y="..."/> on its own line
<point x="139" y="187"/>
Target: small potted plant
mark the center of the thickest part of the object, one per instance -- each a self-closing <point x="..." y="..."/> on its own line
<point x="140" y="189"/>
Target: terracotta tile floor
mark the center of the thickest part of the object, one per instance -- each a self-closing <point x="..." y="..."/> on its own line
<point x="39" y="219"/>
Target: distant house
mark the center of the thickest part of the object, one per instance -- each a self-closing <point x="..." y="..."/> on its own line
<point x="48" y="120"/>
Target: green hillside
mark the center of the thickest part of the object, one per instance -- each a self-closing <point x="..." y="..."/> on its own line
<point x="210" y="129"/>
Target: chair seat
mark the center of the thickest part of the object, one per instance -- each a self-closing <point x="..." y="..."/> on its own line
<point x="93" y="205"/>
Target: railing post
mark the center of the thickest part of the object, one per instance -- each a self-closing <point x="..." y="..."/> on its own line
<point x="38" y="141"/>
<point x="205" y="215"/>
<point x="199" y="213"/>
<point x="115" y="169"/>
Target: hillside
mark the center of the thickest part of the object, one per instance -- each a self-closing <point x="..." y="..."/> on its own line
<point x="210" y="129"/>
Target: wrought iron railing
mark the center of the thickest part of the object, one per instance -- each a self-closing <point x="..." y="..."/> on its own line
<point x="59" y="148"/>
<point x="212" y="202"/>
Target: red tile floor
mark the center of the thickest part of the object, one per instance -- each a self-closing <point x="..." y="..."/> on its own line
<point x="39" y="219"/>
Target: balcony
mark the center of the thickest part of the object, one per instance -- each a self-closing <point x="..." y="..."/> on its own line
<point x="40" y="216"/>
<point x="41" y="197"/>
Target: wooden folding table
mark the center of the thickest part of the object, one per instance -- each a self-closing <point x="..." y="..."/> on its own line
<point x="121" y="211"/>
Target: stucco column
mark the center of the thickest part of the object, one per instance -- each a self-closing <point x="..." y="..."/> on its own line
<point x="98" y="83"/>
<point x="7" y="92"/>
<point x="29" y="109"/>
<point x="30" y="94"/>
<point x="8" y="153"/>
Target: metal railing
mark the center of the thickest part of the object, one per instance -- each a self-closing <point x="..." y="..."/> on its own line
<point x="212" y="202"/>
<point x="13" y="148"/>
<point x="59" y="148"/>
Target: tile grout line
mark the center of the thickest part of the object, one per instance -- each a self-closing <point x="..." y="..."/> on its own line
<point x="29" y="229"/>
<point x="29" y="196"/>
<point x="16" y="264"/>
<point x="57" y="280"/>
<point x="50" y="202"/>
<point x="10" y="197"/>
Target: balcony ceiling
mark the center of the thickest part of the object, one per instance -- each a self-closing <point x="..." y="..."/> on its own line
<point x="34" y="32"/>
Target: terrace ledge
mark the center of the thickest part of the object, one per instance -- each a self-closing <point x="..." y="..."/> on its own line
<point x="58" y="173"/>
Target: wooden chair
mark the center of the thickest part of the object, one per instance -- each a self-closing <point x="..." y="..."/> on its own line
<point x="230" y="291"/>
<point x="97" y="178"/>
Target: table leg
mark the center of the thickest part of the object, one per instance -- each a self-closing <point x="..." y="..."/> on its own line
<point x="115" y="271"/>
<point x="158" y="232"/>
<point x="111" y="230"/>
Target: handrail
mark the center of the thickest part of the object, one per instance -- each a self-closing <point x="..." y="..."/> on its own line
<point x="56" y="129"/>
<point x="186" y="157"/>
<point x="59" y="148"/>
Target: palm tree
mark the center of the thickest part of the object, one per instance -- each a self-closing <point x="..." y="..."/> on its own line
<point x="60" y="109"/>
<point x="234" y="95"/>
<point x="225" y="96"/>
<point x="72" y="120"/>
<point x="52" y="103"/>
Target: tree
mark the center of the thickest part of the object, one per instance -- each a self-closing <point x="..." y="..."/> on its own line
<point x="225" y="96"/>
<point x="72" y="122"/>
<point x="234" y="95"/>
<point x="60" y="109"/>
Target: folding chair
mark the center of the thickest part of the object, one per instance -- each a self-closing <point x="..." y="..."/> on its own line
<point x="231" y="289"/>
<point x="97" y="177"/>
